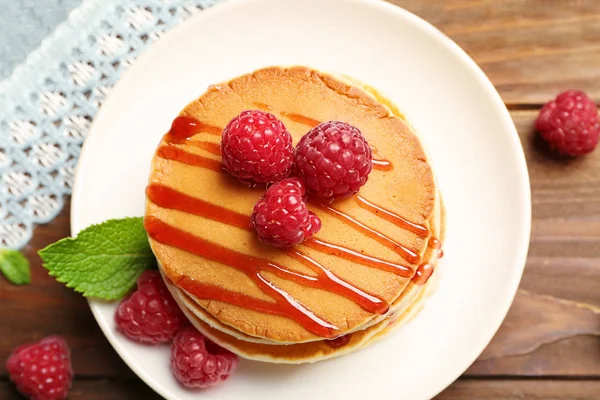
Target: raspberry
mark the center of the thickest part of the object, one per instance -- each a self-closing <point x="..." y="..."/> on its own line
<point x="334" y="160"/>
<point x="256" y="148"/>
<point x="42" y="371"/>
<point x="570" y="123"/>
<point x="281" y="217"/>
<point x="197" y="362"/>
<point x="150" y="314"/>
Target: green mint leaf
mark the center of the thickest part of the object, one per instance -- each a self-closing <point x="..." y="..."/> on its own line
<point x="14" y="266"/>
<point x="104" y="260"/>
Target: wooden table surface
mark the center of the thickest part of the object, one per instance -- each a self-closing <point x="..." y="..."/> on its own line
<point x="548" y="346"/>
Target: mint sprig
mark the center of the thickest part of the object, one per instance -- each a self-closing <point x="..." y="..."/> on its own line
<point x="14" y="266"/>
<point x="104" y="260"/>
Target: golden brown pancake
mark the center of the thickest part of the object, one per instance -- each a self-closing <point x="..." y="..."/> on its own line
<point x="362" y="259"/>
<point x="408" y="298"/>
<point x="404" y="309"/>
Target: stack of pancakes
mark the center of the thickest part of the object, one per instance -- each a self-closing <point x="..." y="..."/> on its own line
<point x="365" y="271"/>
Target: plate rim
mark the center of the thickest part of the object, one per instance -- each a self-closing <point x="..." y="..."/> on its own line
<point x="520" y="253"/>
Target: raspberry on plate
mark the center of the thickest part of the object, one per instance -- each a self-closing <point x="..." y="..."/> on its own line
<point x="257" y="148"/>
<point x="281" y="217"/>
<point x="334" y="160"/>
<point x="150" y="314"/>
<point x="42" y="371"/>
<point x="570" y="123"/>
<point x="199" y="363"/>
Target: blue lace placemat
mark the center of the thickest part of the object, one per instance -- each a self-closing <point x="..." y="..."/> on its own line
<point x="48" y="103"/>
<point x="24" y="24"/>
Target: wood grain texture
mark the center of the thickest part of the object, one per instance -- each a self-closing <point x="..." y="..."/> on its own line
<point x="46" y="307"/>
<point x="530" y="49"/>
<point x="133" y="389"/>
<point x="553" y="326"/>
<point x="521" y="390"/>
<point x="549" y="344"/>
<point x="95" y="389"/>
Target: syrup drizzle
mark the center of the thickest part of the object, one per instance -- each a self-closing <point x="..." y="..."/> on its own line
<point x="359" y="258"/>
<point x="263" y="106"/>
<point x="301" y="119"/>
<point x="380" y="162"/>
<point x="339" y="341"/>
<point x="182" y="156"/>
<point x="285" y="305"/>
<point x="424" y="271"/>
<point x="382" y="165"/>
<point x="212" y="292"/>
<point x="390" y="243"/>
<point x="211" y="147"/>
<point x="395" y="219"/>
<point x="166" y="197"/>
<point x="423" y="274"/>
<point x="184" y="127"/>
<point x="337" y="285"/>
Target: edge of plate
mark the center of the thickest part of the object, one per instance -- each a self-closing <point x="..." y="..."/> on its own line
<point x="520" y="256"/>
<point x="524" y="185"/>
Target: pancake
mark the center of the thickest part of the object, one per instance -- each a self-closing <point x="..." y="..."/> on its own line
<point x="349" y="277"/>
<point x="405" y="309"/>
<point x="312" y="351"/>
<point x="412" y="301"/>
<point x="405" y="301"/>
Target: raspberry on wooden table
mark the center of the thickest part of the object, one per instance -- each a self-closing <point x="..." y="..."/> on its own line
<point x="334" y="160"/>
<point x="570" y="123"/>
<point x="199" y="363"/>
<point x="257" y="148"/>
<point x="281" y="217"/>
<point x="150" y="314"/>
<point x="42" y="371"/>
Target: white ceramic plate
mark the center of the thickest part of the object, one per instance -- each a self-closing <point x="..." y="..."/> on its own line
<point x="466" y="128"/>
